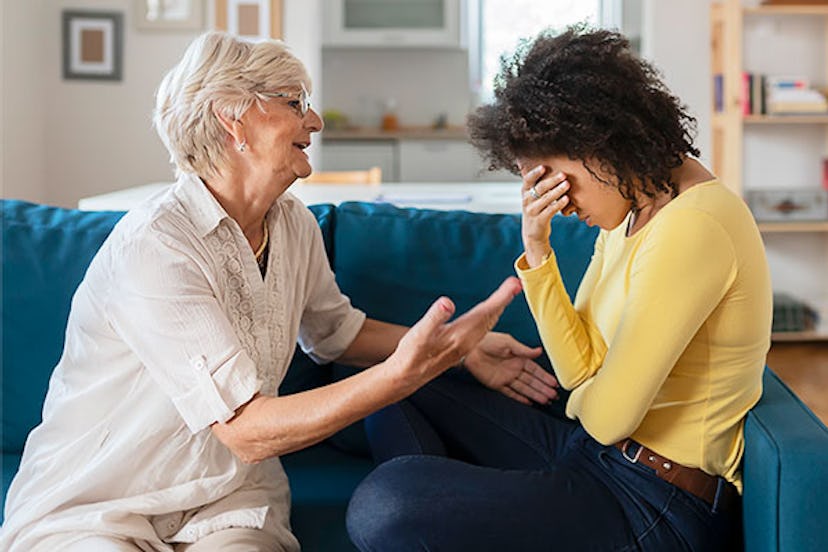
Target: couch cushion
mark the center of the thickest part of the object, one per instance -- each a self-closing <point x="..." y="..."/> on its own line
<point x="322" y="480"/>
<point x="325" y="214"/>
<point x="393" y="263"/>
<point x="10" y="463"/>
<point x="45" y="254"/>
<point x="785" y="473"/>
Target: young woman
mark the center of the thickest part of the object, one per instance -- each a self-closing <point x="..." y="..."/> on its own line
<point x="662" y="349"/>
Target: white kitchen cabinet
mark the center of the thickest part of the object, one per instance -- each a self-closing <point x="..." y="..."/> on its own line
<point x="346" y="155"/>
<point x="443" y="161"/>
<point x="393" y="23"/>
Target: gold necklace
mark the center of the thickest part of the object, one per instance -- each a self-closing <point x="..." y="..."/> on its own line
<point x="260" y="251"/>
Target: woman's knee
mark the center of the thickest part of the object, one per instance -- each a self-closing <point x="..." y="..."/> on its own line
<point x="388" y="505"/>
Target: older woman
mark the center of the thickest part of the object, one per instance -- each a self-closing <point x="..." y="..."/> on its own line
<point x="162" y="429"/>
<point x="663" y="348"/>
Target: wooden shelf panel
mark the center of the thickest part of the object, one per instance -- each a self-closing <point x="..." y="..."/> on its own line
<point x="772" y="227"/>
<point x="801" y="9"/>
<point x="799" y="336"/>
<point x="785" y="119"/>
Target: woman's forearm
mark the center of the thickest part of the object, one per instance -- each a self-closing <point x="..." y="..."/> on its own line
<point x="373" y="344"/>
<point x="273" y="426"/>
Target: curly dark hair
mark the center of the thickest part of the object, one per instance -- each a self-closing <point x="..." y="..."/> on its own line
<point x="584" y="94"/>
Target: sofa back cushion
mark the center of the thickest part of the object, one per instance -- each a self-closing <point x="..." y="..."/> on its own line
<point x="393" y="263"/>
<point x="46" y="251"/>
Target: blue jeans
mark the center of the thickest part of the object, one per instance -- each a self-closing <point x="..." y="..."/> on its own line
<point x="465" y="468"/>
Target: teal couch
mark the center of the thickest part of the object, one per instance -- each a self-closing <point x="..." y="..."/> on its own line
<point x="392" y="263"/>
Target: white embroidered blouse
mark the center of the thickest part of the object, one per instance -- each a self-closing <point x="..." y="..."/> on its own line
<point x="172" y="329"/>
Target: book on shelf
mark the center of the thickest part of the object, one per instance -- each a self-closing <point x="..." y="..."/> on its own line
<point x="784" y="101"/>
<point x="782" y="81"/>
<point x="747" y="93"/>
<point x="752" y="95"/>
<point x="758" y="94"/>
<point x="825" y="174"/>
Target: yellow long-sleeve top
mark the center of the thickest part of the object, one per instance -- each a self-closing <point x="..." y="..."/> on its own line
<point x="668" y="335"/>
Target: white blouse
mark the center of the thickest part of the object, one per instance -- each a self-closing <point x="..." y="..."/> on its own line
<point x="172" y="329"/>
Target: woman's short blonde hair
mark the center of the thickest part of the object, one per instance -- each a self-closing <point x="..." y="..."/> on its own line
<point x="223" y="73"/>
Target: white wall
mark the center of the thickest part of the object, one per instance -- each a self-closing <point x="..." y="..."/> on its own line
<point x="302" y="31"/>
<point x="677" y="41"/>
<point x="99" y="134"/>
<point x="23" y="100"/>
<point x="2" y="103"/>
<point x="67" y="139"/>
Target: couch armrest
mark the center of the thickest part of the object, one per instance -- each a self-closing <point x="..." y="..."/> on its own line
<point x="785" y="473"/>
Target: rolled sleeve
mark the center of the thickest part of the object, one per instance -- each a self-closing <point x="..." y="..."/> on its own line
<point x="331" y="347"/>
<point x="214" y="397"/>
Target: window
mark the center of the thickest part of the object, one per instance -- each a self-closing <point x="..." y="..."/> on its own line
<point x="502" y="23"/>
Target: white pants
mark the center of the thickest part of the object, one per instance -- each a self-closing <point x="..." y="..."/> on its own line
<point x="229" y="540"/>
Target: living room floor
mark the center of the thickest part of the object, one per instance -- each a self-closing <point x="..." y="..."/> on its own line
<point x="804" y="368"/>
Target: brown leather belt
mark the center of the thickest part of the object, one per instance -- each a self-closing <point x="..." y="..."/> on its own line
<point x="692" y="480"/>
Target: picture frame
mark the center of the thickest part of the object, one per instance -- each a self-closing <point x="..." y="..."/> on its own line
<point x="250" y="19"/>
<point x="92" y="45"/>
<point x="168" y="15"/>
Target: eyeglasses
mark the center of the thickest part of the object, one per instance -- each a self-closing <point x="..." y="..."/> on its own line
<point x="300" y="102"/>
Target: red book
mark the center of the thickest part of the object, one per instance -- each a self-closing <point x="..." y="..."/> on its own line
<point x="825" y="173"/>
<point x="745" y="94"/>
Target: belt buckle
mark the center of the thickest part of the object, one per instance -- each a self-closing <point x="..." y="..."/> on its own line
<point x="625" y="447"/>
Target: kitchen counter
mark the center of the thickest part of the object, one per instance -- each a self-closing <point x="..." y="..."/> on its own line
<point x="483" y="197"/>
<point x="403" y="133"/>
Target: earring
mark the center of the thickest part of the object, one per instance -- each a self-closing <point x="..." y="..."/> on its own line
<point x="242" y="146"/>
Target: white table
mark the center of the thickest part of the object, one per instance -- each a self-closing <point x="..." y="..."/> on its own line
<point x="483" y="197"/>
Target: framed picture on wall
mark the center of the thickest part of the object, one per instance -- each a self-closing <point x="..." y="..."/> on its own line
<point x="251" y="19"/>
<point x="92" y="45"/>
<point x="169" y="14"/>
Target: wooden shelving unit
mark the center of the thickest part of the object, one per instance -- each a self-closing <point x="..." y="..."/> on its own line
<point x="772" y="227"/>
<point x="727" y="23"/>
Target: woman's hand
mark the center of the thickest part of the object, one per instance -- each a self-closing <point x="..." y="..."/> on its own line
<point x="543" y="196"/>
<point x="502" y="363"/>
<point x="434" y="344"/>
